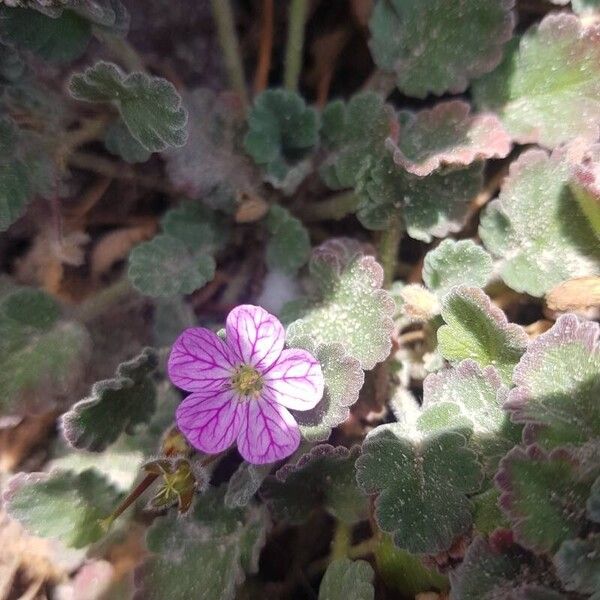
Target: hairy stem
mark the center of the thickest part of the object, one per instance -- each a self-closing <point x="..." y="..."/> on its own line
<point x="223" y="15"/>
<point x="341" y="541"/>
<point x="335" y="208"/>
<point x="295" y="43"/>
<point x="122" y="51"/>
<point x="387" y="249"/>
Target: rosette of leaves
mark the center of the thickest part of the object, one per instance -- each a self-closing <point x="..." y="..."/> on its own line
<point x="433" y="47"/>
<point x="150" y="107"/>
<point x="349" y="307"/>
<point x="212" y="165"/>
<point x="42" y="355"/>
<point x="558" y="106"/>
<point x="282" y="132"/>
<point x="60" y="31"/>
<point x="115" y="405"/>
<point x="431" y="206"/>
<point x="344" y="379"/>
<point x="179" y="260"/>
<point x="421" y="484"/>
<point x="354" y="134"/>
<point x="322" y="478"/>
<point x="61" y="505"/>
<point x="537" y="228"/>
<point x="447" y="135"/>
<point x="557" y="385"/>
<point x="206" y="553"/>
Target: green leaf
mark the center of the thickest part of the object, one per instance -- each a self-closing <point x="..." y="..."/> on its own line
<point x="12" y="67"/>
<point x="164" y="266"/>
<point x="322" y="478"/>
<point x="289" y="246"/>
<point x="171" y="316"/>
<point x="120" y="142"/>
<point x="212" y="165"/>
<point x="477" y="329"/>
<point x="543" y="495"/>
<point x="432" y="206"/>
<point x="558" y="385"/>
<point x="203" y="554"/>
<point x="455" y="263"/>
<point x="472" y="397"/>
<point x="60" y="39"/>
<point x="586" y="7"/>
<point x="244" y="483"/>
<point x="15" y="192"/>
<point x="487" y="573"/>
<point x="593" y="503"/>
<point x="487" y="514"/>
<point x="343" y="380"/>
<point x="578" y="565"/>
<point x="433" y="46"/>
<point x="61" y="505"/>
<point x="585" y="186"/>
<point x="546" y="91"/>
<point x="282" y="131"/>
<point x="347" y="580"/>
<point x="536" y="227"/>
<point x="448" y="136"/>
<point x="355" y="135"/>
<point x="421" y="486"/>
<point x="149" y="106"/>
<point x="114" y="405"/>
<point x="42" y="358"/>
<point x="350" y="307"/>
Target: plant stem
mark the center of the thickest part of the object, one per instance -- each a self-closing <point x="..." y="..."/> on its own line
<point x="123" y="51"/>
<point x="387" y="250"/>
<point x="335" y="208"/>
<point x="295" y="43"/>
<point x="356" y="551"/>
<point x="97" y="304"/>
<point x="223" y="15"/>
<point x="341" y="541"/>
<point x="261" y="77"/>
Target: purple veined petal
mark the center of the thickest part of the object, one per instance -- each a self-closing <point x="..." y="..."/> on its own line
<point x="296" y="380"/>
<point x="210" y="420"/>
<point x="200" y="360"/>
<point x="268" y="433"/>
<point x="256" y="336"/>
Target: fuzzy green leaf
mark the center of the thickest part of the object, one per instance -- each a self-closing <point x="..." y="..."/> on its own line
<point x="585" y="185"/>
<point x="61" y="504"/>
<point x="468" y="396"/>
<point x="355" y="134"/>
<point x="456" y="263"/>
<point x="421" y="486"/>
<point x="324" y="477"/>
<point x="578" y="565"/>
<point x="120" y="142"/>
<point x="347" y="580"/>
<point x="343" y="380"/>
<point x="282" y="131"/>
<point x="558" y="385"/>
<point x="149" y="106"/>
<point x="433" y="46"/>
<point x="244" y="483"/>
<point x="42" y="357"/>
<point x="203" y="554"/>
<point x="432" y="206"/>
<point x="536" y="227"/>
<point x="448" y="136"/>
<point x="351" y="308"/>
<point x="115" y="405"/>
<point x="487" y="573"/>
<point x="289" y="246"/>
<point x="547" y="89"/>
<point x="478" y="330"/>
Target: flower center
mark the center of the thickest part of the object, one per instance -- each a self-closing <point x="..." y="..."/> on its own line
<point x="247" y="381"/>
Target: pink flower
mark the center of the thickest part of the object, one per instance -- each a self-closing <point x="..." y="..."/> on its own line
<point x="242" y="387"/>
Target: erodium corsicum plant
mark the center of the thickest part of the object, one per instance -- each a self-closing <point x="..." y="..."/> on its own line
<point x="343" y="341"/>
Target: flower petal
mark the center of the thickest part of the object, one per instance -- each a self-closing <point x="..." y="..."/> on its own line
<point x="296" y="380"/>
<point x="200" y="360"/>
<point x="210" y="420"/>
<point x="269" y="432"/>
<point x="255" y="336"/>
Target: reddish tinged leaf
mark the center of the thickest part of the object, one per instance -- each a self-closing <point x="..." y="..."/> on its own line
<point x="448" y="135"/>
